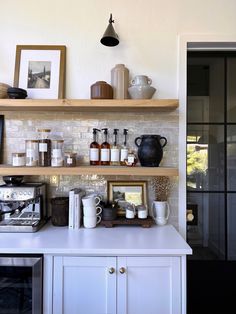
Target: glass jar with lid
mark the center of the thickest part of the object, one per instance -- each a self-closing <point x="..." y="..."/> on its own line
<point x="18" y="159"/>
<point x="32" y="153"/>
<point x="70" y="159"/>
<point x="57" y="158"/>
<point x="44" y="147"/>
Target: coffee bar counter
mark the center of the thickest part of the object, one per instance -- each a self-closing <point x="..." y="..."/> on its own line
<point x="100" y="241"/>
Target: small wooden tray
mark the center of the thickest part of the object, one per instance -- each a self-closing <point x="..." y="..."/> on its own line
<point x="145" y="223"/>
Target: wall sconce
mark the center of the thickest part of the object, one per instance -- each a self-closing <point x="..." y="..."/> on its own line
<point x="110" y="38"/>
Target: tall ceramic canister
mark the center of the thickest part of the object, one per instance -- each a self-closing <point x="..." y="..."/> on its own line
<point x="120" y="81"/>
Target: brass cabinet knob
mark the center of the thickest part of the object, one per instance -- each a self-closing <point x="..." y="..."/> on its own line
<point x="111" y="270"/>
<point x="122" y="270"/>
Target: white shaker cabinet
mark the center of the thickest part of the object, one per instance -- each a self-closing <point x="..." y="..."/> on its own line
<point x="149" y="285"/>
<point x="122" y="285"/>
<point x="84" y="285"/>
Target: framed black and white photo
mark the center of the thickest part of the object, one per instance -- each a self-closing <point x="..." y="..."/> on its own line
<point x="40" y="70"/>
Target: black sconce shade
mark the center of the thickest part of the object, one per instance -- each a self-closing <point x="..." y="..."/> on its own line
<point x="110" y="38"/>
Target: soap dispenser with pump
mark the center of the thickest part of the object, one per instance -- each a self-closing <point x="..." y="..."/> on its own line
<point x="124" y="149"/>
<point x="105" y="149"/>
<point x="94" y="149"/>
<point x="115" y="150"/>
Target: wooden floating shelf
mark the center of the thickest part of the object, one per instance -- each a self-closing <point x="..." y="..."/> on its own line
<point x="89" y="170"/>
<point x="145" y="223"/>
<point x="87" y="105"/>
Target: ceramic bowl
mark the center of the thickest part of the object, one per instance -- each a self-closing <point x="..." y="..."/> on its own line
<point x="16" y="93"/>
<point x="13" y="180"/>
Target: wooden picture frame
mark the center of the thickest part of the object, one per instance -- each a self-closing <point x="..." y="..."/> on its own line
<point x="40" y="70"/>
<point x="134" y="192"/>
<point x="1" y="137"/>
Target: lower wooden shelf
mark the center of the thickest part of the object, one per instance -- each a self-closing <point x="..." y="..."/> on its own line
<point x="145" y="223"/>
<point x="89" y="170"/>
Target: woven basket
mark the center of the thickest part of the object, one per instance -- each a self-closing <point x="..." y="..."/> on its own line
<point x="3" y="90"/>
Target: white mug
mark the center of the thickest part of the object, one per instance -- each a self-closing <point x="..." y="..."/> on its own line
<point x="91" y="222"/>
<point x="91" y="200"/>
<point x="92" y="210"/>
<point x="160" y="212"/>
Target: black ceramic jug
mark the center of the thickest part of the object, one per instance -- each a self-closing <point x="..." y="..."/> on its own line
<point x="150" y="151"/>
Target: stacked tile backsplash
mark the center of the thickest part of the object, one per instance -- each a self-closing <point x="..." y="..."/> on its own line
<point x="76" y="129"/>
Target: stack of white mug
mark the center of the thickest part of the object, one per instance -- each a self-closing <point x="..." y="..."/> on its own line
<point x="91" y="210"/>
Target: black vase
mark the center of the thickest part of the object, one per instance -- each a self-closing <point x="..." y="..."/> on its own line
<point x="150" y="151"/>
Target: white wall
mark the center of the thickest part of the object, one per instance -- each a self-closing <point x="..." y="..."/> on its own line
<point x="148" y="32"/>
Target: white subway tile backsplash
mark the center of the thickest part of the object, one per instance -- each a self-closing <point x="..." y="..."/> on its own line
<point x="77" y="132"/>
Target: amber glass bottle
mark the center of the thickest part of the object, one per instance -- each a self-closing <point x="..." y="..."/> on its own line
<point x="105" y="150"/>
<point x="94" y="150"/>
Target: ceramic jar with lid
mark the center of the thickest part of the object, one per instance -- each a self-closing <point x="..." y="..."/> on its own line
<point x="141" y="87"/>
<point x="120" y="81"/>
<point x="18" y="159"/>
<point x="32" y="153"/>
<point x="57" y="151"/>
<point x="44" y="147"/>
<point x="70" y="159"/>
<point x="101" y="90"/>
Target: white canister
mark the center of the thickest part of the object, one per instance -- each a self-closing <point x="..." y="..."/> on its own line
<point x="142" y="211"/>
<point x="120" y="81"/>
<point x="18" y="159"/>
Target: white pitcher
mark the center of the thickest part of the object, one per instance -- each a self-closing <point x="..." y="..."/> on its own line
<point x="160" y="211"/>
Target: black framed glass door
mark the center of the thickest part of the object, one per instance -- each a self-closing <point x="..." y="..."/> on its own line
<point x="211" y="180"/>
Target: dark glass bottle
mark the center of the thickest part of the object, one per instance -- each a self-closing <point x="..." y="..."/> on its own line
<point x="94" y="150"/>
<point x="105" y="150"/>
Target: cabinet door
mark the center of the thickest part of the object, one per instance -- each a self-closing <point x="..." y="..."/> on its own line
<point x="149" y="285"/>
<point x="84" y="285"/>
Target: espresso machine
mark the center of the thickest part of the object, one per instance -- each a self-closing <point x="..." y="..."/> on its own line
<point x="22" y="206"/>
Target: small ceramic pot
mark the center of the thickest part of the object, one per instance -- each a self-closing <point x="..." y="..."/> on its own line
<point x="101" y="90"/>
<point x="109" y="213"/>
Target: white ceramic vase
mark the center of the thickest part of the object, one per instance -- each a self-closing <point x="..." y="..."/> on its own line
<point x="141" y="88"/>
<point x="160" y="211"/>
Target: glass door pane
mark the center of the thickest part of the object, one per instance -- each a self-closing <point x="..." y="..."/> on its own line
<point x="15" y="290"/>
<point x="231" y="225"/>
<point x="231" y="157"/>
<point x="231" y="90"/>
<point x="205" y="157"/>
<point x="207" y="235"/>
<point x="205" y="90"/>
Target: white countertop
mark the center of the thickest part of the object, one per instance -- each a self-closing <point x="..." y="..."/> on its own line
<point x="119" y="240"/>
